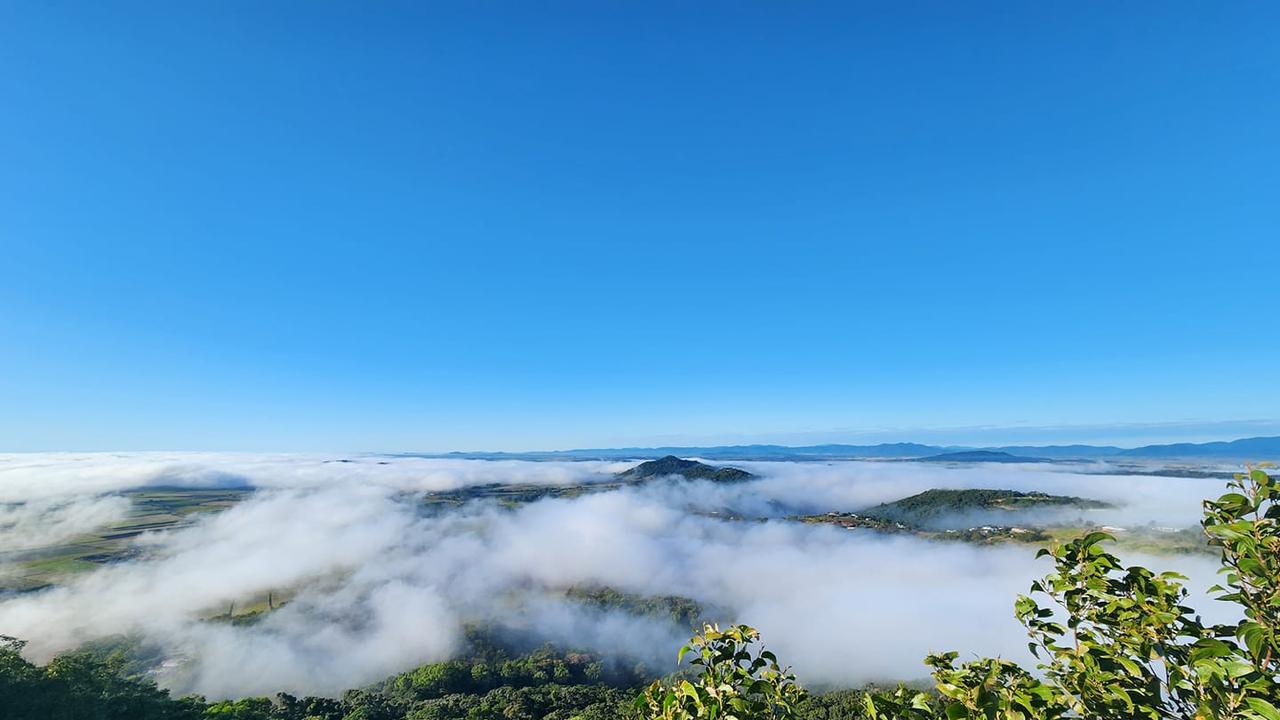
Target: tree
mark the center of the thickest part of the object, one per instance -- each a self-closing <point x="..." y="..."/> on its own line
<point x="243" y="709"/>
<point x="733" y="684"/>
<point x="82" y="686"/>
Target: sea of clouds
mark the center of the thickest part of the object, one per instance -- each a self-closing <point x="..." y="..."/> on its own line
<point x="380" y="582"/>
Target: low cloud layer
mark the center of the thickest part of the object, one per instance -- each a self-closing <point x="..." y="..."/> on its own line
<point x="48" y="521"/>
<point x="380" y="582"/>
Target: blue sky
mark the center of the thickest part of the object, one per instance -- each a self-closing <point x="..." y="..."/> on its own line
<point x="433" y="226"/>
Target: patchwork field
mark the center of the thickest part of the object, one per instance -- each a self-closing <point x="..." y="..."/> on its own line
<point x="151" y="510"/>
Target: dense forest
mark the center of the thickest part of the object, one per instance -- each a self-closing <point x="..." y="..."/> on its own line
<point x="490" y="685"/>
<point x="1113" y="642"/>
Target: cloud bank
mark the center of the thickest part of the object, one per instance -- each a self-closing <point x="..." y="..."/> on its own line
<point x="381" y="582"/>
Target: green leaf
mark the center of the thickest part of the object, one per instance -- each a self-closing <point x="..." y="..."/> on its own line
<point x="1263" y="708"/>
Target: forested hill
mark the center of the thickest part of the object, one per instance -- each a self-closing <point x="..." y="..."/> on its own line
<point x="688" y="469"/>
<point x="930" y="505"/>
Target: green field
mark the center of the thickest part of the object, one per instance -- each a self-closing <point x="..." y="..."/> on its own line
<point x="153" y="510"/>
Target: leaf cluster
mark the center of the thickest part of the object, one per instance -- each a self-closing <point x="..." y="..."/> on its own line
<point x="736" y="680"/>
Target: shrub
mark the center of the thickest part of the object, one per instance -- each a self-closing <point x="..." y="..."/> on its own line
<point x="732" y="683"/>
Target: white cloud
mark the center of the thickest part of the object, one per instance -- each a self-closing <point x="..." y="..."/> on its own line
<point x="383" y="583"/>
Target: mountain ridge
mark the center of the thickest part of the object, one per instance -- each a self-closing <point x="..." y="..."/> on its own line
<point x="998" y="456"/>
<point x="1250" y="449"/>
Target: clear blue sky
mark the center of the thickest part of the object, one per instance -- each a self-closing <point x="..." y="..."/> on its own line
<point x="432" y="226"/>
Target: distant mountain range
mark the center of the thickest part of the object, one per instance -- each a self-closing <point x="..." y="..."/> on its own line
<point x="1246" y="449"/>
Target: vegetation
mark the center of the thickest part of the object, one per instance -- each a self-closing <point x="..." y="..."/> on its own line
<point x="733" y="682"/>
<point x="81" y="686"/>
<point x="153" y="509"/>
<point x="682" y="611"/>
<point x="688" y="469"/>
<point x="988" y="516"/>
<point x="1114" y="642"/>
<point x="982" y="534"/>
<point x="926" y="508"/>
<point x="103" y="684"/>
<point x="544" y="683"/>
<point x="512" y="495"/>
<point x="1148" y="539"/>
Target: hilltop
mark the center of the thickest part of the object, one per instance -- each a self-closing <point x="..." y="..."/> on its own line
<point x="921" y="508"/>
<point x="688" y="469"/>
<point x="976" y="516"/>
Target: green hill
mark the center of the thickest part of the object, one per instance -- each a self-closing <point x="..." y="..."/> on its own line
<point x="688" y="469"/>
<point x="930" y="505"/>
